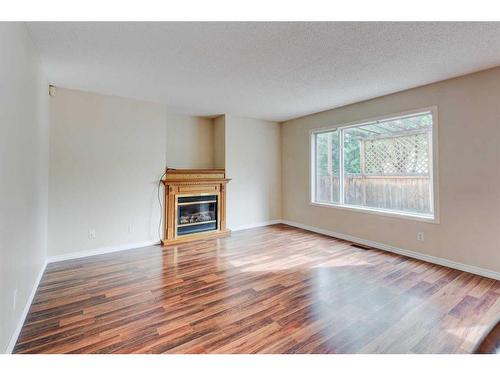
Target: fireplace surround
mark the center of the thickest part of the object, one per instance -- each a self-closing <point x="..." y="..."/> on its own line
<point x="195" y="205"/>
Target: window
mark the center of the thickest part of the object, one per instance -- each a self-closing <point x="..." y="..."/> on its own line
<point x="383" y="165"/>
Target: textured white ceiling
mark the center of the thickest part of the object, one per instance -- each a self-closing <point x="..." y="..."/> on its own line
<point x="268" y="70"/>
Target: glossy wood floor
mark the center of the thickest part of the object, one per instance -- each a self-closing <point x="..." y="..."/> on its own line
<point x="268" y="290"/>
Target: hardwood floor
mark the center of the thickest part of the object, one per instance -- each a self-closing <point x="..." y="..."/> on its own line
<point x="276" y="289"/>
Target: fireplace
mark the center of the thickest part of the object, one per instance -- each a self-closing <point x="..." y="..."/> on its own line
<point x="195" y="205"/>
<point x="196" y="213"/>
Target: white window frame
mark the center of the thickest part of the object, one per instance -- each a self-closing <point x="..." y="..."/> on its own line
<point x="433" y="218"/>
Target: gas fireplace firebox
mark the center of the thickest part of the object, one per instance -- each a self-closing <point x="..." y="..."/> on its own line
<point x="195" y="205"/>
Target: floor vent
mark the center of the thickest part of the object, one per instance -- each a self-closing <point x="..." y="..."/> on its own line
<point x="360" y="246"/>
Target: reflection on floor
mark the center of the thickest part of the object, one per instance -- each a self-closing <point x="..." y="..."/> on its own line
<point x="275" y="289"/>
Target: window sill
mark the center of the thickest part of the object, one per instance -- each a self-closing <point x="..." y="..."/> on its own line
<point x="373" y="211"/>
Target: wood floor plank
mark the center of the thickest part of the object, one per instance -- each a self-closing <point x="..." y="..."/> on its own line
<point x="275" y="289"/>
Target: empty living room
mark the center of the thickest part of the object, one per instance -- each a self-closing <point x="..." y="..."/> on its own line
<point x="249" y="186"/>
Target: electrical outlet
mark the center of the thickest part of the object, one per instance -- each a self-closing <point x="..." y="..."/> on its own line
<point x="14" y="300"/>
<point x="91" y="233"/>
<point x="420" y="236"/>
<point x="131" y="228"/>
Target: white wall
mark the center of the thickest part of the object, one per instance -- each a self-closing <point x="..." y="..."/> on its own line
<point x="253" y="162"/>
<point x="106" y="156"/>
<point x="23" y="174"/>
<point x="469" y="172"/>
<point x="189" y="141"/>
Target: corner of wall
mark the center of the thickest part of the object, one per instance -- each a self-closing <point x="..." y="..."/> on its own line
<point x="282" y="180"/>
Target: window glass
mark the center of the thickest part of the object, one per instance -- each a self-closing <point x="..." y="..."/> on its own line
<point x="384" y="165"/>
<point x="327" y="167"/>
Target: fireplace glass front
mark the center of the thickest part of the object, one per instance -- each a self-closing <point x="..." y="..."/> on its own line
<point x="197" y="213"/>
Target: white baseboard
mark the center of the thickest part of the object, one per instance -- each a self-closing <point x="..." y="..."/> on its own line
<point x="135" y="245"/>
<point x="411" y="254"/>
<point x="256" y="225"/>
<point x="101" y="250"/>
<point x="20" y="323"/>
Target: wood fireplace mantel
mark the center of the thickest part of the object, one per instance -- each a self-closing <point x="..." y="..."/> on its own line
<point x="195" y="205"/>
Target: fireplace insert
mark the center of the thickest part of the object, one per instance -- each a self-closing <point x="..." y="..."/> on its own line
<point x="196" y="213"/>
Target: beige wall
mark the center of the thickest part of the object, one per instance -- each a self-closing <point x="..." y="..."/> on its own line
<point x="106" y="156"/>
<point x="469" y="172"/>
<point x="189" y="141"/>
<point x="220" y="142"/>
<point x="23" y="174"/>
<point x="253" y="162"/>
